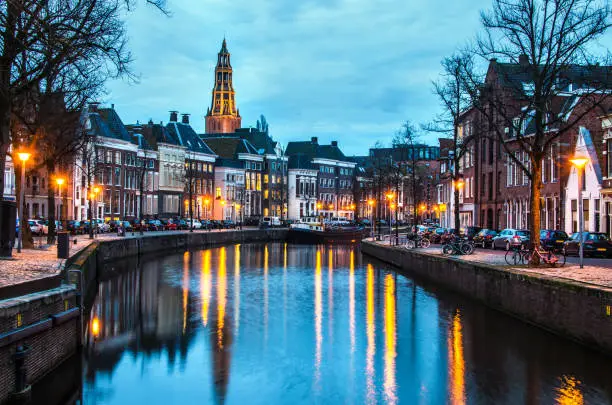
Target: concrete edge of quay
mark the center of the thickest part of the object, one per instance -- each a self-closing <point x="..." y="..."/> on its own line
<point x="571" y="309"/>
<point x="40" y="328"/>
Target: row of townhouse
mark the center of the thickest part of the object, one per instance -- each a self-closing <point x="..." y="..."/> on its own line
<point x="495" y="191"/>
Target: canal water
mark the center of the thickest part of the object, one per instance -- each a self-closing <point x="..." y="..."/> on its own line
<point x="286" y="324"/>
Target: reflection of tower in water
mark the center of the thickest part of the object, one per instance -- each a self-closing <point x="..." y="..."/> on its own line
<point x="222" y="340"/>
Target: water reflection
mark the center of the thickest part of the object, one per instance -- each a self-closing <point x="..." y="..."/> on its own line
<point x="456" y="362"/>
<point x="205" y="285"/>
<point x="371" y="334"/>
<point x="318" y="315"/>
<point x="167" y="332"/>
<point x="390" y="339"/>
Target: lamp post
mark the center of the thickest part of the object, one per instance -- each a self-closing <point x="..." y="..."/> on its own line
<point x="580" y="162"/>
<point x="92" y="198"/>
<point x="60" y="181"/>
<point x="390" y="196"/>
<point x="23" y="156"/>
<point x="371" y="205"/>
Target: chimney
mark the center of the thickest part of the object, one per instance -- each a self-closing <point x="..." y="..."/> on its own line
<point x="523" y="60"/>
<point x="334" y="143"/>
<point x="314" y="140"/>
<point x="185" y="118"/>
<point x="93" y="107"/>
<point x="113" y="106"/>
<point x="173" y="116"/>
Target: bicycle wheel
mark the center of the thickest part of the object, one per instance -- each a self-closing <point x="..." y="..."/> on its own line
<point x="466" y="248"/>
<point x="513" y="257"/>
<point x="447" y="249"/>
<point x="556" y="259"/>
<point x="425" y="243"/>
<point x="409" y="244"/>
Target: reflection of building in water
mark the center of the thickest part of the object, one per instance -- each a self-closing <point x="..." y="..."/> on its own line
<point x="221" y="341"/>
<point x="139" y="312"/>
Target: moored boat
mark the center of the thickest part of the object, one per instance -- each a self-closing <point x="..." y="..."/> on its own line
<point x="304" y="232"/>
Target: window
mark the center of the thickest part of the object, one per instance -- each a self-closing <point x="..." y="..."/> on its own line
<point x="218" y="192"/>
<point x="117" y="176"/>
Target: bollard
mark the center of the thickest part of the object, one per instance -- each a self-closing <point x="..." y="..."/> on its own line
<point x="22" y="394"/>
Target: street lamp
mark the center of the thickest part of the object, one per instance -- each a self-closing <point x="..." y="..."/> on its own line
<point x="390" y="196"/>
<point x="23" y="156"/>
<point x="60" y="181"/>
<point x="580" y="162"/>
<point x="371" y="205"/>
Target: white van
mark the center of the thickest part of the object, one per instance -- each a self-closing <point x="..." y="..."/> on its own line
<point x="270" y="222"/>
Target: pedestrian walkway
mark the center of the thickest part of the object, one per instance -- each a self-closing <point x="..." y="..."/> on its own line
<point x="599" y="274"/>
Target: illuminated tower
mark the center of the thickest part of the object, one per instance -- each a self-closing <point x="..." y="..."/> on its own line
<point x="223" y="116"/>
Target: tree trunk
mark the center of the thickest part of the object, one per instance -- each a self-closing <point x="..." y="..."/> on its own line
<point x="456" y="209"/>
<point x="50" y="203"/>
<point x="141" y="202"/>
<point x="534" y="203"/>
<point x="27" y="241"/>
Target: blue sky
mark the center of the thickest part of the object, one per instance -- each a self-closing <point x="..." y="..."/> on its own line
<point x="345" y="70"/>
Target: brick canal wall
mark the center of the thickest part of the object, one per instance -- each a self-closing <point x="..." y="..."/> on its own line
<point x="44" y="328"/>
<point x="46" y="324"/>
<point x="575" y="310"/>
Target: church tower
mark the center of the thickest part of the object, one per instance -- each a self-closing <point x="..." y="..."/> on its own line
<point x="223" y="116"/>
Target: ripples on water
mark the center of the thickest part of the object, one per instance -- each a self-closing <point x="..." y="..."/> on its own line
<point x="279" y="324"/>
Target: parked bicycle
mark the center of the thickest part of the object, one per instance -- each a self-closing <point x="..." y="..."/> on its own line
<point x="457" y="247"/>
<point x="519" y="255"/>
<point x="419" y="241"/>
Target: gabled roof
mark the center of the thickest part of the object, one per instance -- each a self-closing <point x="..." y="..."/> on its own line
<point x="306" y="148"/>
<point x="586" y="146"/>
<point x="228" y="147"/>
<point x="517" y="75"/>
<point x="262" y="141"/>
<point x="313" y="150"/>
<point x="105" y="122"/>
<point x="300" y="161"/>
<point x="185" y="136"/>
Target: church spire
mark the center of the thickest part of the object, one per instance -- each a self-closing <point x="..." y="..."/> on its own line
<point x="223" y="116"/>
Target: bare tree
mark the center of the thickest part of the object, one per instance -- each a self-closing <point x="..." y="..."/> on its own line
<point x="455" y="99"/>
<point x="141" y="171"/>
<point x="89" y="162"/>
<point x="547" y="49"/>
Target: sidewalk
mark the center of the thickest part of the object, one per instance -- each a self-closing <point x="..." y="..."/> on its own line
<point x="599" y="275"/>
<point x="42" y="261"/>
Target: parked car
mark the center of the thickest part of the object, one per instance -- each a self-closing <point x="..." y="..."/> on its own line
<point x="101" y="226"/>
<point x="153" y="225"/>
<point x="470" y="231"/>
<point x="181" y="223"/>
<point x="270" y="222"/>
<point x="510" y="237"/>
<point x="436" y="235"/>
<point x="196" y="224"/>
<point x="484" y="238"/>
<point x="35" y="227"/>
<point x="169" y="225"/>
<point x="595" y="244"/>
<point x="552" y="239"/>
<point x="77" y="227"/>
<point x="449" y="233"/>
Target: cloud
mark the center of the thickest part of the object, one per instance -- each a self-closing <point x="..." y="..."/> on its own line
<point x="346" y="70"/>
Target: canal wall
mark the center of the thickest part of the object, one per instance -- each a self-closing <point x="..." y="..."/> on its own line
<point x="41" y="330"/>
<point x="37" y="332"/>
<point x="571" y="309"/>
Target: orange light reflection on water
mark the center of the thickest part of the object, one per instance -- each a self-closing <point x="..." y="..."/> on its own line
<point x="185" y="288"/>
<point x="371" y="336"/>
<point x="221" y="295"/>
<point x="236" y="288"/>
<point x="569" y="392"/>
<point x="205" y="285"/>
<point x="456" y="362"/>
<point x="390" y="340"/>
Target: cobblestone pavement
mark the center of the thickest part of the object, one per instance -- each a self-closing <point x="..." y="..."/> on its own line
<point x="42" y="261"/>
<point x="596" y="271"/>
